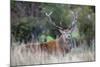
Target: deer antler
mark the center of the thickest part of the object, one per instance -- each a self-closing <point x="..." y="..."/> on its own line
<point x="74" y="21"/>
<point x="53" y="23"/>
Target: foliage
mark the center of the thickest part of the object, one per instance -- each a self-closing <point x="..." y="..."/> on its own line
<point x="87" y="24"/>
<point x="29" y="18"/>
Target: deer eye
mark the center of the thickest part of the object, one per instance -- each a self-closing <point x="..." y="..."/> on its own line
<point x="69" y="36"/>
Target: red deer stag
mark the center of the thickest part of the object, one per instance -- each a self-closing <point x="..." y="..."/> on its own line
<point x="59" y="46"/>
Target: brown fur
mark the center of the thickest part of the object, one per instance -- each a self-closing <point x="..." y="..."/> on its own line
<point x="51" y="47"/>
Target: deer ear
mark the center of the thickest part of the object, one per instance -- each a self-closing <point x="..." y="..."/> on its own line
<point x="60" y="31"/>
<point x="68" y="30"/>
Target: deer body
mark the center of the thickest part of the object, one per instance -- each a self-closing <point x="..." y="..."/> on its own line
<point x="59" y="46"/>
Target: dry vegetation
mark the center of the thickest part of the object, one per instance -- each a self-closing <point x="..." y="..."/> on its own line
<point x="23" y="56"/>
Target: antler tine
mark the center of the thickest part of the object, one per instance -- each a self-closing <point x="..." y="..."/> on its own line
<point x="48" y="14"/>
<point x="60" y="23"/>
<point x="74" y="21"/>
<point x="58" y="26"/>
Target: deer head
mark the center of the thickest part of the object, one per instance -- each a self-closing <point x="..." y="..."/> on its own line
<point x="66" y="33"/>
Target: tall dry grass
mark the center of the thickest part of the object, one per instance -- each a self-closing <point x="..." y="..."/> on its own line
<point x="26" y="56"/>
